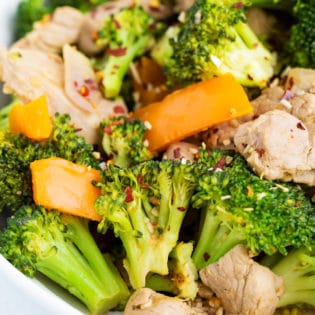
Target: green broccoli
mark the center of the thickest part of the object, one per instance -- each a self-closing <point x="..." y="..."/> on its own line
<point x="145" y="206"/>
<point x="123" y="140"/>
<point x="18" y="151"/>
<point x="62" y="248"/>
<point x="127" y="35"/>
<point x="31" y="11"/>
<point x="182" y="278"/>
<point x="297" y="270"/>
<point x="301" y="42"/>
<point x="214" y="38"/>
<point x="239" y="207"/>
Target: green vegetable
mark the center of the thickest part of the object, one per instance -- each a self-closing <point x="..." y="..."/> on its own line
<point x="239" y="207"/>
<point x="31" y="11"/>
<point x="127" y="35"/>
<point x="214" y="38"/>
<point x="17" y="152"/>
<point x="145" y="206"/>
<point x="301" y="43"/>
<point x="62" y="248"/>
<point x="123" y="140"/>
<point x="297" y="270"/>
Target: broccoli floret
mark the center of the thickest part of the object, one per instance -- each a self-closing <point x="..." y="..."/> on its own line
<point x="31" y="11"/>
<point x="127" y="35"/>
<point x="214" y="38"/>
<point x="62" y="248"/>
<point x="123" y="140"/>
<point x="297" y="270"/>
<point x="301" y="42"/>
<point x="239" y="207"/>
<point x="145" y="206"/>
<point x="18" y="151"/>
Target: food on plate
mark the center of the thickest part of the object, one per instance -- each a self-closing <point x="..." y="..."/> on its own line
<point x="157" y="157"/>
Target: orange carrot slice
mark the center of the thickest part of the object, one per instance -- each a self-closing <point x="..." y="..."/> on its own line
<point x="65" y="186"/>
<point x="193" y="109"/>
<point x="32" y="120"/>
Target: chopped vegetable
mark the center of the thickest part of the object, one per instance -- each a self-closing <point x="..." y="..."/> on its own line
<point x="32" y="120"/>
<point x="65" y="186"/>
<point x="192" y="109"/>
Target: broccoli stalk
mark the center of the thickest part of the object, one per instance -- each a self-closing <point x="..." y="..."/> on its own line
<point x="214" y="38"/>
<point x="239" y="207"/>
<point x="127" y="35"/>
<point x="182" y="278"/>
<point x="62" y="248"/>
<point x="123" y="140"/>
<point x="297" y="270"/>
<point x="300" y="45"/>
<point x="145" y="205"/>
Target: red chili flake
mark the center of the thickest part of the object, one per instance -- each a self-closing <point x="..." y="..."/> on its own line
<point x="244" y="145"/>
<point x="117" y="52"/>
<point x="154" y="224"/>
<point x="139" y="178"/>
<point x="238" y="5"/>
<point x="75" y="83"/>
<point x="255" y="45"/>
<point x="128" y="192"/>
<point x="153" y="26"/>
<point x="118" y="109"/>
<point x="108" y="130"/>
<point x="206" y="256"/>
<point x="260" y="152"/>
<point x="181" y="209"/>
<point x="116" y="67"/>
<point x="176" y="153"/>
<point x="84" y="91"/>
<point x="300" y="126"/>
<point x="78" y="129"/>
<point x="220" y="164"/>
<point x="145" y="186"/>
<point x="117" y="24"/>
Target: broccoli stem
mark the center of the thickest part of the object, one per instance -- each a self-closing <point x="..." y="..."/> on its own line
<point x="103" y="287"/>
<point x="116" y="67"/>
<point x="100" y="264"/>
<point x="246" y="33"/>
<point x="297" y="272"/>
<point x="215" y="240"/>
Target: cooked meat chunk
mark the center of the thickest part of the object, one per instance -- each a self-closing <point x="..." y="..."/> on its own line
<point x="276" y="145"/>
<point x="300" y="79"/>
<point x="28" y="73"/>
<point x="147" y="302"/>
<point x="181" y="150"/>
<point x="269" y="99"/>
<point x="50" y="36"/>
<point x="244" y="286"/>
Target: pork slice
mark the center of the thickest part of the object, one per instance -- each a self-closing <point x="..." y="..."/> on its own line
<point x="29" y="73"/>
<point x="243" y="286"/>
<point x="148" y="302"/>
<point x="299" y="79"/>
<point x="50" y="36"/>
<point x="276" y="145"/>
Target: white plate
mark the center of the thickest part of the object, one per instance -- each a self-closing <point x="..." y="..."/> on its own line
<point x="19" y="294"/>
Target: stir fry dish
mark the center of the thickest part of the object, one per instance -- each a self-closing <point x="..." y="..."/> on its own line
<point x="158" y="156"/>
